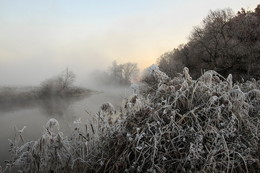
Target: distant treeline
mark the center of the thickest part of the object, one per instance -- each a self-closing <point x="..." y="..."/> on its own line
<point x="61" y="85"/>
<point x="117" y="74"/>
<point x="225" y="42"/>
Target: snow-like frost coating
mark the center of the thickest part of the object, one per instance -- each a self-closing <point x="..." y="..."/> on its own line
<point x="168" y="125"/>
<point x="52" y="124"/>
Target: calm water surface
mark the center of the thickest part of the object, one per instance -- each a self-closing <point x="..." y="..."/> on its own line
<point x="35" y="115"/>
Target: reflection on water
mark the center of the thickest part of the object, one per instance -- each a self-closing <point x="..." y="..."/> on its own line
<point x="57" y="106"/>
<point x="35" y="113"/>
<point x="48" y="106"/>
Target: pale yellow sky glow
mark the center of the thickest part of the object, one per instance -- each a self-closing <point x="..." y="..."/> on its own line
<point x="39" y="39"/>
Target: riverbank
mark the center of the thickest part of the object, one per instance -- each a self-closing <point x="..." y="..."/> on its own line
<point x="171" y="125"/>
<point x="36" y="112"/>
<point x="23" y="96"/>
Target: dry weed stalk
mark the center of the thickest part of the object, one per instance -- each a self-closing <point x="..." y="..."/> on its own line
<point x="170" y="125"/>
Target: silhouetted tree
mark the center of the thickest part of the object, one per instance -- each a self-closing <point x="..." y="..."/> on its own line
<point x="117" y="74"/>
<point x="123" y="73"/>
<point x="59" y="84"/>
<point x="67" y="79"/>
<point x="129" y="71"/>
<point x="171" y="62"/>
<point x="225" y="42"/>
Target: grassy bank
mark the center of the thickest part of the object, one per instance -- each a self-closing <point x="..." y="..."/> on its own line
<point x="170" y="125"/>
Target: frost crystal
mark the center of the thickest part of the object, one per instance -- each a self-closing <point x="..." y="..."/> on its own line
<point x="78" y="121"/>
<point x="51" y="124"/>
<point x="176" y="125"/>
<point x="21" y="130"/>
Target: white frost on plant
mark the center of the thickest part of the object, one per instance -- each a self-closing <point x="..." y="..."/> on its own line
<point x="77" y="121"/>
<point x="210" y="118"/>
<point x="186" y="74"/>
<point x="51" y="124"/>
<point x="21" y="130"/>
<point x="135" y="87"/>
<point x="253" y="94"/>
<point x="207" y="78"/>
<point x="107" y="109"/>
<point x="213" y="99"/>
<point x="229" y="80"/>
<point x="138" y="105"/>
<point x="162" y="88"/>
<point x="184" y="85"/>
<point x="107" y="113"/>
<point x="132" y="103"/>
<point x="154" y="71"/>
<point x="25" y="147"/>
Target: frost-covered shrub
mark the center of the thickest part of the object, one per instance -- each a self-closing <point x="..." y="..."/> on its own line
<point x="53" y="152"/>
<point x="170" y="125"/>
<point x="185" y="125"/>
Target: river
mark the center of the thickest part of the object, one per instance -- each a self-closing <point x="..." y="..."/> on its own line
<point x="35" y="115"/>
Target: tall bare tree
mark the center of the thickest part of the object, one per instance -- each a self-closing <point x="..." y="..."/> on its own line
<point x="225" y="42"/>
<point x="123" y="73"/>
<point x="59" y="84"/>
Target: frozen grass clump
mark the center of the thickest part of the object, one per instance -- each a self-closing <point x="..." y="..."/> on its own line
<point x="52" y="152"/>
<point x="170" y="125"/>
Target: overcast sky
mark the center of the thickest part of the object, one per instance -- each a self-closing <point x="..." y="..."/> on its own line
<point x="40" y="38"/>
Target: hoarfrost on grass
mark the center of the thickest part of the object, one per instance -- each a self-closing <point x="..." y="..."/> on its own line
<point x="182" y="125"/>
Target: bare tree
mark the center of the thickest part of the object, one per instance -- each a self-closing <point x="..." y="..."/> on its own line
<point x="68" y="77"/>
<point x="225" y="42"/>
<point x="59" y="84"/>
<point x="129" y="71"/>
<point x="123" y="73"/>
<point x="171" y="62"/>
<point x="212" y="38"/>
<point x="116" y="72"/>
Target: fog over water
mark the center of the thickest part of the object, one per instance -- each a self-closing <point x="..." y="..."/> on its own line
<point x="35" y="115"/>
<point x="40" y="39"/>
